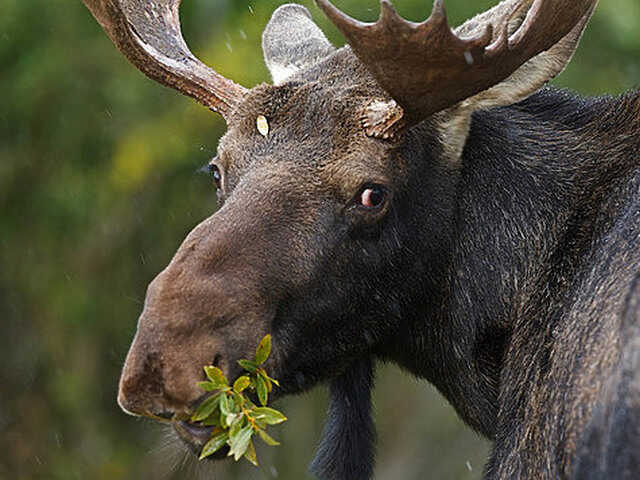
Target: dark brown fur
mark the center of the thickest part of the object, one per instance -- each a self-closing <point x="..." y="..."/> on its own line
<point x="503" y="268"/>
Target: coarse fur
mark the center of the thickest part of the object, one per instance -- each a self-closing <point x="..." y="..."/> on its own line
<point x="504" y="270"/>
<point x="347" y="449"/>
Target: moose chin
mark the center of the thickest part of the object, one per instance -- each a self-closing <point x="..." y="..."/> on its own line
<point x="418" y="197"/>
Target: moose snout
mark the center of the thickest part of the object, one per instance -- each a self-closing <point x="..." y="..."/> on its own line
<point x="164" y="364"/>
<point x="205" y="308"/>
<point x="178" y="334"/>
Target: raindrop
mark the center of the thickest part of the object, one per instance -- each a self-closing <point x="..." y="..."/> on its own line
<point x="251" y="10"/>
<point x="469" y="466"/>
<point x="468" y="58"/>
<point x="243" y="34"/>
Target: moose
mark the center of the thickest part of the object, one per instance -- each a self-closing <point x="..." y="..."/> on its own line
<point x="418" y="197"/>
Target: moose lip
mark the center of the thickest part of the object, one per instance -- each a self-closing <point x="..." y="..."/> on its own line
<point x="195" y="437"/>
<point x="195" y="434"/>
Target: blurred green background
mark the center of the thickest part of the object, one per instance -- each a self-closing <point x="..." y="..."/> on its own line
<point x="97" y="190"/>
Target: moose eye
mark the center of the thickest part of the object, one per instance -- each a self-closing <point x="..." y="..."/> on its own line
<point x="372" y="197"/>
<point x="214" y="171"/>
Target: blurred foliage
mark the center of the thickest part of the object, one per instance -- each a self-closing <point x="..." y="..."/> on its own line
<point x="97" y="190"/>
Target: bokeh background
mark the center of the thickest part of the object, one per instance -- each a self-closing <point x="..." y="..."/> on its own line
<point x="98" y="187"/>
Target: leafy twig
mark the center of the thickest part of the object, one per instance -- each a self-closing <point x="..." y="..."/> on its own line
<point x="235" y="418"/>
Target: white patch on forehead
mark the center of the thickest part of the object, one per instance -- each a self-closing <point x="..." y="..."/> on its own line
<point x="263" y="125"/>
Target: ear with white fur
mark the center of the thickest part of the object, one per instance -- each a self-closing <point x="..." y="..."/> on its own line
<point x="292" y="42"/>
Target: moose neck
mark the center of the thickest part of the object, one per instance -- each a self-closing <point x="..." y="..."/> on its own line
<point x="524" y="192"/>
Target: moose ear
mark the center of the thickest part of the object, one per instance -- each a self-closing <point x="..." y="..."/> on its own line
<point x="532" y="75"/>
<point x="292" y="42"/>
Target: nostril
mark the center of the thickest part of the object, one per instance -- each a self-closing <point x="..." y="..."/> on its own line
<point x="166" y="415"/>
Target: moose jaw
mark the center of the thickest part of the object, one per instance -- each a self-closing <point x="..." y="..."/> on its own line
<point x="415" y="197"/>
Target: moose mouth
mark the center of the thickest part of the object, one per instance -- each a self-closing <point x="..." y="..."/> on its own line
<point x="196" y="436"/>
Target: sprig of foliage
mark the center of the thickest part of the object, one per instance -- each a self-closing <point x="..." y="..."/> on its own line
<point x="235" y="418"/>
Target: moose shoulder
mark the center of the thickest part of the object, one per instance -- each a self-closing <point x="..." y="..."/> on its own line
<point x="417" y="197"/>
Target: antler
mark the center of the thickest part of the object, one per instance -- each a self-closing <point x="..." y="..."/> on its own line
<point x="148" y="33"/>
<point x="426" y="67"/>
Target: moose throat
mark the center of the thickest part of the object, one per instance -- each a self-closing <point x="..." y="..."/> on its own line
<point x="416" y="197"/>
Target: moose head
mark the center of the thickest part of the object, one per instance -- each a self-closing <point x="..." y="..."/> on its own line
<point x="337" y="187"/>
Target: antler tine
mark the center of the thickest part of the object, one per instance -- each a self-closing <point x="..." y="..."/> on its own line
<point x="341" y="20"/>
<point x="427" y="67"/>
<point x="550" y="18"/>
<point x="148" y="33"/>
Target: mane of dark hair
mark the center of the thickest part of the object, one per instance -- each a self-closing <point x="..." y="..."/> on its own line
<point x="564" y="107"/>
<point x="347" y="448"/>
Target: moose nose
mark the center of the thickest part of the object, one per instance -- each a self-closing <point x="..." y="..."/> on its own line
<point x="151" y="387"/>
<point x="142" y="384"/>
<point x="166" y="359"/>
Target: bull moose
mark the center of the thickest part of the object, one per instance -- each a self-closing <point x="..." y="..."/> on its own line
<point x="416" y="197"/>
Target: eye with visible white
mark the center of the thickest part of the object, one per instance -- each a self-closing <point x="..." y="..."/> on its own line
<point x="215" y="173"/>
<point x="372" y="197"/>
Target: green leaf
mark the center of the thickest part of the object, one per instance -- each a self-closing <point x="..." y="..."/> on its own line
<point x="264" y="350"/>
<point x="241" y="384"/>
<point x="224" y="409"/>
<point x="248" y="365"/>
<point x="261" y="391"/>
<point x="216" y="443"/>
<point x="233" y="414"/>
<point x="250" y="454"/>
<point x="267" y="439"/>
<point x="212" y="421"/>
<point x="268" y="415"/>
<point x="206" y="408"/>
<point x="216" y="376"/>
<point x="238" y="400"/>
<point x="236" y="425"/>
<point x="232" y="418"/>
<point x="233" y="406"/>
<point x="223" y="421"/>
<point x="267" y="380"/>
<point x="240" y="443"/>
<point x="207" y="386"/>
